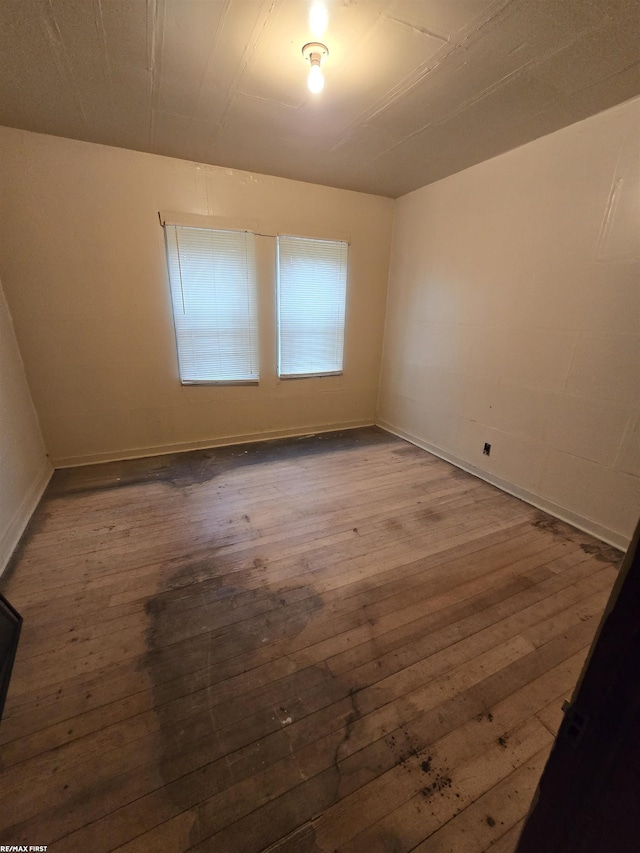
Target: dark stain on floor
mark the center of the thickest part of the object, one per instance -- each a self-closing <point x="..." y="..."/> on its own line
<point x="484" y="715"/>
<point x="601" y="551"/>
<point x="213" y="621"/>
<point x="441" y="782"/>
<point x="200" y="633"/>
<point x="554" y="526"/>
<point x="352" y="717"/>
<point x="194" y="467"/>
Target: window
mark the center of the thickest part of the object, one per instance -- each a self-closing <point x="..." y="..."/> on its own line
<point x="312" y="284"/>
<point x="213" y="290"/>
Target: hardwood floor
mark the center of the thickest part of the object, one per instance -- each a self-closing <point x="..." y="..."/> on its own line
<point x="332" y="643"/>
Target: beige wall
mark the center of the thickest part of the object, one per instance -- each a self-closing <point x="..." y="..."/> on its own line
<point x="24" y="466"/>
<point x="85" y="276"/>
<point x="513" y="318"/>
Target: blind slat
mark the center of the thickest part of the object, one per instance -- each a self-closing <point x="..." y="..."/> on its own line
<point x="312" y="281"/>
<point x="213" y="291"/>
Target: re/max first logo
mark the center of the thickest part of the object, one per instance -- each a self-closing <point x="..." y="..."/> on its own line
<point x="23" y="848"/>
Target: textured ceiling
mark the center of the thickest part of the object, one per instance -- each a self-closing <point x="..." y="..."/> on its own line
<point x="415" y="89"/>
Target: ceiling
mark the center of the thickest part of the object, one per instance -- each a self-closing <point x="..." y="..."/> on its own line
<point x="415" y="89"/>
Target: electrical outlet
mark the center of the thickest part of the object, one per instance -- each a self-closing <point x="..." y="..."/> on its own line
<point x="487" y="449"/>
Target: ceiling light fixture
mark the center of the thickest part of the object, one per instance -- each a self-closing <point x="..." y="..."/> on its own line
<point x="315" y="52"/>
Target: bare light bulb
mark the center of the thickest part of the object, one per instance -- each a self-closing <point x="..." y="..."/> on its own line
<point x="315" y="80"/>
<point x="314" y="52"/>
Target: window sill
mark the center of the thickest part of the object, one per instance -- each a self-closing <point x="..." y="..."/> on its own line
<point x="188" y="383"/>
<point x="309" y="375"/>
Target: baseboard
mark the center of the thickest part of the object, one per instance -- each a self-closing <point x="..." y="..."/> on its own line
<point x="587" y="525"/>
<point x="224" y="441"/>
<point x="10" y="538"/>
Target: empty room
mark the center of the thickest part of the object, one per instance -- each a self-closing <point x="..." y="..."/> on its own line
<point x="319" y="425"/>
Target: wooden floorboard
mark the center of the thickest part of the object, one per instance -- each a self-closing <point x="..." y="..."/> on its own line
<point x="332" y="643"/>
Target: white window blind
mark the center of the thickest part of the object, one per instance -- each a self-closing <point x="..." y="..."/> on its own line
<point x="213" y="289"/>
<point x="312" y="286"/>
